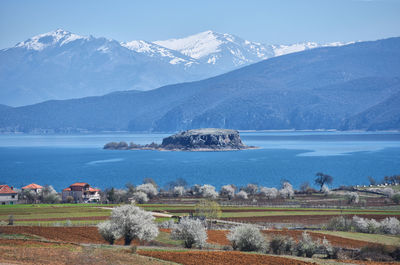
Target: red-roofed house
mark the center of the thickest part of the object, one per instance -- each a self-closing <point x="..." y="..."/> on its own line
<point x="81" y="192"/>
<point x="8" y="195"/>
<point x="33" y="187"/>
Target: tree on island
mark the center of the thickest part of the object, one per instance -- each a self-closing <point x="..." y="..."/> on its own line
<point x="323" y="179"/>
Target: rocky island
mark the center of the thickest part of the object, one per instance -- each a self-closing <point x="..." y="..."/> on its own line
<point x="208" y="139"/>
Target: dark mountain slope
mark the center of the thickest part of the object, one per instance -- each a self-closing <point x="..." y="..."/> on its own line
<point x="315" y="89"/>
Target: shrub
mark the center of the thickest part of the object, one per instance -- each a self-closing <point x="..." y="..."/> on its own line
<point x="191" y="231"/>
<point x="390" y="225"/>
<point x="11" y="219"/>
<point x="396" y="198"/>
<point x="108" y="231"/>
<point x="246" y="237"/>
<point x="282" y="245"/>
<point x="365" y="225"/>
<point x="68" y="223"/>
<point x="352" y="198"/>
<point x="132" y="222"/>
<point x="270" y="193"/>
<point x="330" y="251"/>
<point x="242" y="195"/>
<point x="375" y="252"/>
<point x="169" y="224"/>
<point x="307" y="246"/>
<point x="339" y="224"/>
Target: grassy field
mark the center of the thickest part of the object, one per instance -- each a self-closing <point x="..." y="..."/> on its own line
<point x="373" y="238"/>
<point x="89" y="214"/>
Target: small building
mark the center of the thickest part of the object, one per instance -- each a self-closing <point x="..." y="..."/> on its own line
<point x="33" y="187"/>
<point x="81" y="192"/>
<point x="8" y="195"/>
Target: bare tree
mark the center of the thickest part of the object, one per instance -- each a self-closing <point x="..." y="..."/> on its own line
<point x="323" y="179"/>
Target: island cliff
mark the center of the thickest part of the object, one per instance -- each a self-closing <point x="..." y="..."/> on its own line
<point x="208" y="139"/>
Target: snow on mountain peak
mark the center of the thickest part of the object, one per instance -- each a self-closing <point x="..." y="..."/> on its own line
<point x="42" y="41"/>
<point x="154" y="50"/>
<point x="195" y="46"/>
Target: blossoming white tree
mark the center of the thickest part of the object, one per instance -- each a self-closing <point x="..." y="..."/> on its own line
<point x="179" y="191"/>
<point x="140" y="197"/>
<point x="246" y="237"/>
<point x="148" y="188"/>
<point x="208" y="191"/>
<point x="108" y="231"/>
<point x="191" y="231"/>
<point x="227" y="191"/>
<point x="270" y="193"/>
<point x="242" y="195"/>
<point x="131" y="222"/>
<point x="287" y="190"/>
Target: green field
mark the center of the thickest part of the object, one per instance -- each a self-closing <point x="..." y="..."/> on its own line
<point x="373" y="238"/>
<point x="80" y="214"/>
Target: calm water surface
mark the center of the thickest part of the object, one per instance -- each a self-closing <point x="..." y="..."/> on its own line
<point x="60" y="160"/>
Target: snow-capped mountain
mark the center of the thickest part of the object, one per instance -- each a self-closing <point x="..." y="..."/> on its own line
<point x="154" y="50"/>
<point x="224" y="51"/>
<point x="61" y="65"/>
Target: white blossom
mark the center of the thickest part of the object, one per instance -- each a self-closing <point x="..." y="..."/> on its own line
<point x="179" y="191"/>
<point x="208" y="191"/>
<point x="270" y="193"/>
<point x="148" y="188"/>
<point x="246" y="237"/>
<point x="191" y="231"/>
<point x="242" y="195"/>
<point x="287" y="190"/>
<point x="228" y="191"/>
<point x="133" y="222"/>
<point x="140" y="197"/>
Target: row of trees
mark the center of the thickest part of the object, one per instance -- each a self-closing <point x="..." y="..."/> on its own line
<point x="47" y="195"/>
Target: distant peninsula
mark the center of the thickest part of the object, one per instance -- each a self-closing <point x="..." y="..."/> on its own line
<point x="207" y="139"/>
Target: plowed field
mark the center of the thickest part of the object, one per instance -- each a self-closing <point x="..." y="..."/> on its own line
<point x="219" y="257"/>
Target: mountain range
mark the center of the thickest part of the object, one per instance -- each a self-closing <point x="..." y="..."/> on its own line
<point x="64" y="65"/>
<point x="356" y="86"/>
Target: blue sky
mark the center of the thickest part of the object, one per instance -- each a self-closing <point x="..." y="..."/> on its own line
<point x="267" y="21"/>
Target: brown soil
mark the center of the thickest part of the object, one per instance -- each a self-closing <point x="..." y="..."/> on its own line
<point x="50" y="253"/>
<point x="219" y="257"/>
<point x="89" y="218"/>
<point x="218" y="237"/>
<point x="301" y="219"/>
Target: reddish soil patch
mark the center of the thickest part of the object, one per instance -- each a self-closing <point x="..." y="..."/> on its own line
<point x="218" y="237"/>
<point x="301" y="219"/>
<point x="90" y="218"/>
<point x="219" y="257"/>
<point x="52" y="253"/>
<point x="63" y="234"/>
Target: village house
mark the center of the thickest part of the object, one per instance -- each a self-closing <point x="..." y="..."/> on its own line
<point x="33" y="187"/>
<point x="81" y="192"/>
<point x="8" y="195"/>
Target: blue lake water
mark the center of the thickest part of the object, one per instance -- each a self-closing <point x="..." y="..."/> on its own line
<point x="60" y="160"/>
